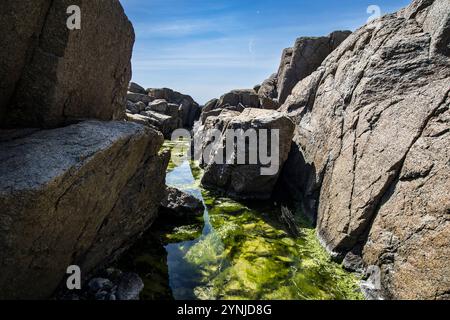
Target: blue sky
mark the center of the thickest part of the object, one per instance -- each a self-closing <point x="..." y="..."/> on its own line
<point x="206" y="48"/>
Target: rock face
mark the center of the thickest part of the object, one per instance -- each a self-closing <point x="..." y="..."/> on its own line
<point x="247" y="179"/>
<point x="51" y="75"/>
<point x="74" y="195"/>
<point x="296" y="64"/>
<point x="372" y="147"/>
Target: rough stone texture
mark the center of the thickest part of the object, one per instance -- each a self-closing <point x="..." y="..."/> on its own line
<point x="371" y="145"/>
<point x="216" y="112"/>
<point x="139" y="97"/>
<point x="17" y="38"/>
<point x="268" y="94"/>
<point x="130" y="286"/>
<point x="217" y="119"/>
<point x="158" y="105"/>
<point x="51" y="75"/>
<point x="304" y="58"/>
<point x="190" y="109"/>
<point x="234" y="100"/>
<point x="74" y="195"/>
<point x="296" y="64"/>
<point x="246" y="180"/>
<point x="144" y="120"/>
<point x="166" y="124"/>
<point x="178" y="204"/>
<point x="169" y="109"/>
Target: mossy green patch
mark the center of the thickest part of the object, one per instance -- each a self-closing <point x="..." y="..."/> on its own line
<point x="241" y="251"/>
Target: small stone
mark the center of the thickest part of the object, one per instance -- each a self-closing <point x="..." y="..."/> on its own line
<point x="130" y="286"/>
<point x="353" y="262"/>
<point x="97" y="284"/>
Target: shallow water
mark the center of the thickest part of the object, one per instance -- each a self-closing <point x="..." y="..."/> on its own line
<point x="236" y="251"/>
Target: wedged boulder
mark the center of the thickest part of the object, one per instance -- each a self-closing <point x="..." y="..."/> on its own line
<point x="135" y="88"/>
<point x="210" y="105"/>
<point x="178" y="204"/>
<point x="243" y="173"/>
<point x="165" y="124"/>
<point x="158" y="105"/>
<point x="139" y="97"/>
<point x="77" y="195"/>
<point x="50" y="75"/>
<point x="247" y="97"/>
<point x="144" y="120"/>
<point x="169" y="109"/>
<point x="234" y="100"/>
<point x="216" y="112"/>
<point x="190" y="109"/>
<point x="369" y="124"/>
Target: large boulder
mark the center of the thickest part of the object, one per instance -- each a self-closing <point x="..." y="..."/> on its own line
<point x="77" y="195"/>
<point x="371" y="149"/>
<point x="247" y="179"/>
<point x="51" y="75"/>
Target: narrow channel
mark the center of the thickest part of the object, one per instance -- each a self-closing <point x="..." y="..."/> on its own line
<point x="235" y="251"/>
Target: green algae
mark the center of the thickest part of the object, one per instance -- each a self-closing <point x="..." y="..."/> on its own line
<point x="179" y="150"/>
<point x="264" y="262"/>
<point x="237" y="251"/>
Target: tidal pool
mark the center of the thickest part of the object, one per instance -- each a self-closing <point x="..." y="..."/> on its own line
<point x="235" y="251"/>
